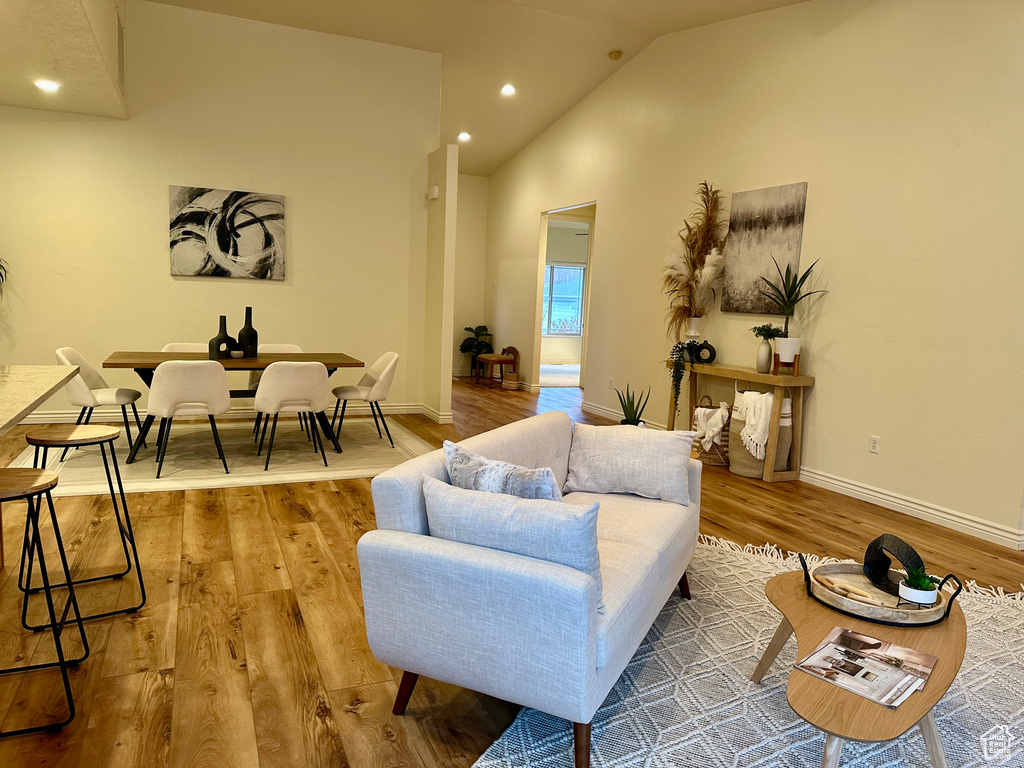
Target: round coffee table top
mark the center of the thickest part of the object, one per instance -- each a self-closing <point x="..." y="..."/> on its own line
<point x="844" y="713"/>
<point x="72" y="434"/>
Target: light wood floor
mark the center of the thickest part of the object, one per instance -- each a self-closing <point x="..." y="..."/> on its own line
<point x="251" y="649"/>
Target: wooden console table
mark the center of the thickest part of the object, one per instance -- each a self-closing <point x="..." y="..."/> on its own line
<point x="779" y="384"/>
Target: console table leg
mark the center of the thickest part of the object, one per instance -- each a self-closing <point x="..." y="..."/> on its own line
<point x="833" y="751"/>
<point x="930" y="731"/>
<point x="782" y="634"/>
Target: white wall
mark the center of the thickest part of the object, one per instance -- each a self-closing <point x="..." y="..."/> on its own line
<point x="470" y="263"/>
<point x="904" y="116"/>
<point x="340" y="127"/>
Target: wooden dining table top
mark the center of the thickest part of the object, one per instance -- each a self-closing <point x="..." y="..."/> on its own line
<point x="150" y="360"/>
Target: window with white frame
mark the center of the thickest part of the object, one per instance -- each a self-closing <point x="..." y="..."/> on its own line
<point x="562" y="314"/>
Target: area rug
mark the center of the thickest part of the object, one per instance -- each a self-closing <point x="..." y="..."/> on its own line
<point x="552" y="375"/>
<point x="685" y="699"/>
<point x="192" y="460"/>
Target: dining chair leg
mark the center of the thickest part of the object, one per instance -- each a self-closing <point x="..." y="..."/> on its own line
<point x="160" y="438"/>
<point x="325" y="430"/>
<point x="270" y="446"/>
<point x="220" y="448"/>
<point x="163" y="451"/>
<point x="341" y="421"/>
<point x="140" y="441"/>
<point x="81" y="415"/>
<point x="138" y="422"/>
<point x="313" y="434"/>
<point x="127" y="427"/>
<point x="384" y="422"/>
<point x="256" y="426"/>
<point x="88" y="415"/>
<point x="375" y="422"/>
<point x="263" y="433"/>
<point x="318" y="440"/>
<point x="334" y="418"/>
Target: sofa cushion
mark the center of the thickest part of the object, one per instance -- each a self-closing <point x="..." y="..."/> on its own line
<point x="669" y="531"/>
<point x="628" y="459"/>
<point x="539" y="441"/>
<point x="633" y="596"/>
<point x="546" y="530"/>
<point x="475" y="473"/>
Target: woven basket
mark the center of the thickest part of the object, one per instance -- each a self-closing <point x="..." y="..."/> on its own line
<point x="511" y="381"/>
<point x="717" y="455"/>
<point x="742" y="461"/>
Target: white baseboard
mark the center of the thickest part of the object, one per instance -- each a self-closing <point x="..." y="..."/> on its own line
<point x="461" y="373"/>
<point x="527" y="387"/>
<point x="434" y="415"/>
<point x="923" y="510"/>
<point x="112" y="414"/>
<point x="614" y="415"/>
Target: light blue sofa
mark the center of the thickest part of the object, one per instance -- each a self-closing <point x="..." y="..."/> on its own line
<point x="520" y="629"/>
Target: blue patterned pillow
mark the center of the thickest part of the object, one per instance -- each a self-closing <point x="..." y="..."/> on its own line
<point x="475" y="473"/>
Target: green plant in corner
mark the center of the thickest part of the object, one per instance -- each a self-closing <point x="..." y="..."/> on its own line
<point x="477" y="344"/>
<point x="633" y="404"/>
<point x="918" y="578"/>
<point x="789" y="292"/>
<point x="767" y="332"/>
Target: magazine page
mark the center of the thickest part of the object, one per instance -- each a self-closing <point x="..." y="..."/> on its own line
<point x="876" y="669"/>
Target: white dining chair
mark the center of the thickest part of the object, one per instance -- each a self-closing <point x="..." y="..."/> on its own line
<point x="292" y="388"/>
<point x="186" y="346"/>
<point x="255" y="376"/>
<point x="88" y="390"/>
<point x="185" y="388"/>
<point x="372" y="388"/>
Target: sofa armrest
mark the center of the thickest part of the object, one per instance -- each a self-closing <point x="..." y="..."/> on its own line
<point x="693" y="482"/>
<point x="514" y="627"/>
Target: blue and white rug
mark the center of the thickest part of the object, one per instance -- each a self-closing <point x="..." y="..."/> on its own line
<point x="685" y="700"/>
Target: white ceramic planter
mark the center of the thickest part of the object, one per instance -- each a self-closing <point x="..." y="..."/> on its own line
<point x="693" y="328"/>
<point x="787" y="349"/>
<point x="764" y="357"/>
<point x="919" y="596"/>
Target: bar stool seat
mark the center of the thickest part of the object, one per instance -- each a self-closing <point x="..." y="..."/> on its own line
<point x="78" y="436"/>
<point x="32" y="485"/>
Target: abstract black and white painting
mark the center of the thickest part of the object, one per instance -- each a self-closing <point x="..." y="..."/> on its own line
<point x="220" y="233"/>
<point x="762" y="223"/>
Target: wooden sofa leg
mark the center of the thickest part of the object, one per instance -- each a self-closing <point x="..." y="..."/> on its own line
<point x="581" y="740"/>
<point x="684" y="587"/>
<point x="404" y="692"/>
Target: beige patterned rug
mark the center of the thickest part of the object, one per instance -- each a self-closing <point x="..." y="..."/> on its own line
<point x="685" y="700"/>
<point x="192" y="460"/>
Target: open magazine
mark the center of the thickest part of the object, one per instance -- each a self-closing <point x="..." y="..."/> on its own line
<point x="876" y="669"/>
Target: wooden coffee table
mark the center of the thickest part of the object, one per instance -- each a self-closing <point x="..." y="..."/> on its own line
<point x="842" y="714"/>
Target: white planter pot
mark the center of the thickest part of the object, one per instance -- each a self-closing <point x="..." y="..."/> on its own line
<point x="920" y="596"/>
<point x="764" y="357"/>
<point x="787" y="350"/>
<point x="693" y="328"/>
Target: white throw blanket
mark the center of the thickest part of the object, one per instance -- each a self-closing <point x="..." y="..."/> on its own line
<point x="709" y="423"/>
<point x="756" y="412"/>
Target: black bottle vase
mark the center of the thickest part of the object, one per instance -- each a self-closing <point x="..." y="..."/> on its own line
<point x="248" y="339"/>
<point x="221" y="344"/>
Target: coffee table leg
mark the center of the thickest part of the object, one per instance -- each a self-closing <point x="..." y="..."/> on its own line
<point x="930" y="731"/>
<point x="833" y="751"/>
<point x="782" y="634"/>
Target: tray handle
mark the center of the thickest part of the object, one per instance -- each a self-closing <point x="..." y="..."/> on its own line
<point x="807" y="574"/>
<point x="959" y="589"/>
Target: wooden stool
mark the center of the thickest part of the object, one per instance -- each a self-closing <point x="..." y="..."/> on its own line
<point x="508" y="356"/>
<point x="75" y="436"/>
<point x="32" y="485"/>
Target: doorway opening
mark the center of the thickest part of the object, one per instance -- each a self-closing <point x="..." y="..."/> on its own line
<point x="564" y="312"/>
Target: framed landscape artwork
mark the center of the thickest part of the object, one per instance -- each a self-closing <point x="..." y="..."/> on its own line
<point x="222" y="233"/>
<point x="763" y="223"/>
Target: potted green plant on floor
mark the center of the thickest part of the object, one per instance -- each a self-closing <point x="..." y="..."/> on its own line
<point x="633" y="405"/>
<point x="766" y="333"/>
<point x="786" y="294"/>
<point x="477" y="344"/>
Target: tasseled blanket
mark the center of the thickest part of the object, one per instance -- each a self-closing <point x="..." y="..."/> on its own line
<point x="756" y="412"/>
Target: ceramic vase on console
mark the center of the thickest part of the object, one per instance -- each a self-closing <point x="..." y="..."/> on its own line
<point x="764" y="357"/>
<point x="221" y="344"/>
<point x="693" y="329"/>
<point x="787" y="349"/>
<point x="248" y="339"/>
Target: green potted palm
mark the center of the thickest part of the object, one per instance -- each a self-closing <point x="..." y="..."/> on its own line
<point x="786" y="294"/>
<point x="632" y="404"/>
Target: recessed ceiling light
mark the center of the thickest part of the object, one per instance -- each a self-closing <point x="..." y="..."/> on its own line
<point x="47" y="85"/>
<point x="463" y="136"/>
<point x="508" y="89"/>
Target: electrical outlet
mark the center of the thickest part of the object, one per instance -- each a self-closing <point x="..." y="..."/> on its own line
<point x="875" y="444"/>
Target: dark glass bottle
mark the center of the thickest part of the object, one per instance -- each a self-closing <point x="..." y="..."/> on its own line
<point x="248" y="339"/>
<point x="220" y="345"/>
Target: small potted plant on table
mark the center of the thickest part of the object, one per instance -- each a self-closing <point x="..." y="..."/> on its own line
<point x="766" y="333"/>
<point x="632" y="405"/>
<point x="918" y="587"/>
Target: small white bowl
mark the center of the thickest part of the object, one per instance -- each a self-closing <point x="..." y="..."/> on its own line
<point x="237" y="353"/>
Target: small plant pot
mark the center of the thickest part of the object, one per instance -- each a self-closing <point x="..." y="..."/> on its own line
<point x="919" y="596"/>
<point x="787" y="350"/>
<point x="633" y="423"/>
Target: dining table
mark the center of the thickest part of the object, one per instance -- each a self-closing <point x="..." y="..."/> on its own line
<point x="145" y="363"/>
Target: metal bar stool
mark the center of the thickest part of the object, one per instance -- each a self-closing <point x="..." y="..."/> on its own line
<point x="74" y="436"/>
<point x="32" y="485"/>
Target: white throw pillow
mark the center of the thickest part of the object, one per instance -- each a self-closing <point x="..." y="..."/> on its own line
<point x="477" y="473"/>
<point x="628" y="459"/>
<point x="546" y="530"/>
